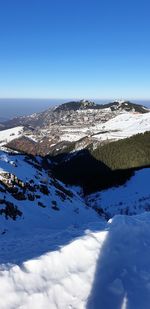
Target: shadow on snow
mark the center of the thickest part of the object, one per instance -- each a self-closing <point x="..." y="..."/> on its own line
<point x="122" y="273"/>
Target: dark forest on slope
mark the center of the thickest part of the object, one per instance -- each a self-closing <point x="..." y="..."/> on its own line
<point x="127" y="153"/>
<point x="110" y="165"/>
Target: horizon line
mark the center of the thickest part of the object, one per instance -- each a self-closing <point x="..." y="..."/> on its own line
<point x="72" y="98"/>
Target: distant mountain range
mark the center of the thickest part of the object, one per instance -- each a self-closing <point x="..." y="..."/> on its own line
<point x="67" y="112"/>
<point x="74" y="126"/>
<point x="117" y="105"/>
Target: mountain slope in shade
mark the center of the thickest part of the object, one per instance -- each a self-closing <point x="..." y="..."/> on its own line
<point x="131" y="198"/>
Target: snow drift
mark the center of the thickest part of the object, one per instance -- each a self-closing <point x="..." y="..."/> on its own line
<point x="108" y="268"/>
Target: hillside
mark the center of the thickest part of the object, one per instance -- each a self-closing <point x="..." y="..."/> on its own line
<point x="64" y="129"/>
<point x="29" y="197"/>
<point x="122" y="126"/>
<point x="75" y="113"/>
<point x="129" y="199"/>
<point x="57" y="245"/>
<point x="105" y="166"/>
<point x="76" y="105"/>
<point x="7" y="136"/>
<point x="110" y="163"/>
<point x="126" y="153"/>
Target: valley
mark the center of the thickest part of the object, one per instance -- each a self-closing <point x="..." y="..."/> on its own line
<point x="74" y="198"/>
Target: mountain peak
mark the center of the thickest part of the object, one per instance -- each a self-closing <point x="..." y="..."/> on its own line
<point x="128" y="106"/>
<point x="75" y="105"/>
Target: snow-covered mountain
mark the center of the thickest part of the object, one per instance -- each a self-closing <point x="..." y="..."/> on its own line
<point x="122" y="126"/>
<point x="76" y="125"/>
<point x="61" y="248"/>
<point x="75" y="113"/>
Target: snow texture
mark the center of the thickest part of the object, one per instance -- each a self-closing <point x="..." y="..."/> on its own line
<point x="7" y="136"/>
<point x="123" y="126"/>
<point x="108" y="268"/>
<point x="131" y="198"/>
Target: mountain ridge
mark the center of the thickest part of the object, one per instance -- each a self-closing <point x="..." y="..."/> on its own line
<point x="57" y="115"/>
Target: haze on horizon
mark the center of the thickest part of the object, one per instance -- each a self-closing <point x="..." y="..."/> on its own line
<point x="83" y="49"/>
<point x="10" y="108"/>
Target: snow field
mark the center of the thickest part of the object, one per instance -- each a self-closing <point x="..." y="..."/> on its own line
<point x="105" y="269"/>
<point x="7" y="136"/>
<point x="131" y="198"/>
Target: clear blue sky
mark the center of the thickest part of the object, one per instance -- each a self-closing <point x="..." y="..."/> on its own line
<point x="74" y="48"/>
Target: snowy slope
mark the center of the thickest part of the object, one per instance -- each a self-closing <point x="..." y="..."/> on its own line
<point x="99" y="269"/>
<point x="130" y="198"/>
<point x="37" y="237"/>
<point x="56" y="209"/>
<point x="123" y="126"/>
<point x="120" y="126"/>
<point x="60" y="254"/>
<point x="7" y="136"/>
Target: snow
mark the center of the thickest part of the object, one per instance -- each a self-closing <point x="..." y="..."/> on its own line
<point x="131" y="198"/>
<point x="32" y="137"/>
<point x="120" y="126"/>
<point x="97" y="269"/>
<point x="123" y="126"/>
<point x="72" y="211"/>
<point x="7" y="136"/>
<point x="123" y="271"/>
<point x="72" y="258"/>
<point x="58" y="279"/>
<point x="71" y="137"/>
<point x="40" y="250"/>
<point x="23" y="170"/>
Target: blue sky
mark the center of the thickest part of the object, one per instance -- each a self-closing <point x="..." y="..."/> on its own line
<point x="74" y="49"/>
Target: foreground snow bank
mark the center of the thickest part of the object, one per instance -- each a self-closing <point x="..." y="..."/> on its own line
<point x="57" y="279"/>
<point x="108" y="268"/>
